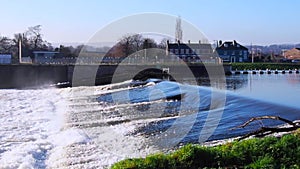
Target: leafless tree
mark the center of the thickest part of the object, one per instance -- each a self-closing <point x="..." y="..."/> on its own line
<point x="5" y="45"/>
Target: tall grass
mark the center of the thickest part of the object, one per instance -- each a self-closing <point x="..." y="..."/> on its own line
<point x="268" y="152"/>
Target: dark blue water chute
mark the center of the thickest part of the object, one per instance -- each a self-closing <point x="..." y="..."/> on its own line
<point x="236" y="111"/>
<point x="162" y="90"/>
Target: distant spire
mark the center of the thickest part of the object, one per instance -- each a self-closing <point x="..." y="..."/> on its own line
<point x="178" y="33"/>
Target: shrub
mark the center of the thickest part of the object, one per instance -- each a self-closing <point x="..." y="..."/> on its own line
<point x="264" y="66"/>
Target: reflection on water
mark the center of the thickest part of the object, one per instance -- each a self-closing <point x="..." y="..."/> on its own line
<point x="232" y="82"/>
<point x="277" y="88"/>
<point x="280" y="89"/>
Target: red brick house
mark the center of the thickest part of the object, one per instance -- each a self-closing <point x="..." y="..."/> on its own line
<point x="292" y="54"/>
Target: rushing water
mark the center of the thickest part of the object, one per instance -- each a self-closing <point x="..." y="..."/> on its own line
<point x="97" y="126"/>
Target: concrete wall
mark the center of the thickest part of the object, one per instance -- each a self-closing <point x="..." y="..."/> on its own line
<point x="22" y="76"/>
<point x="86" y="75"/>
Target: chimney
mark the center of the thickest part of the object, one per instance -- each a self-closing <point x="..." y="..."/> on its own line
<point x="189" y="41"/>
<point x="234" y="43"/>
<point x="199" y="41"/>
<point x="178" y="41"/>
<point x="220" y="42"/>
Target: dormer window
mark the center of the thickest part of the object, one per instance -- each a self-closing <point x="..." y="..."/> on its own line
<point x="225" y="45"/>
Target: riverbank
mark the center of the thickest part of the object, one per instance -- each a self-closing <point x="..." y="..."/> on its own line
<point x="268" y="152"/>
<point x="265" y="66"/>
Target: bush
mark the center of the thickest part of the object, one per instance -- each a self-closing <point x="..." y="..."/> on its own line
<point x="269" y="152"/>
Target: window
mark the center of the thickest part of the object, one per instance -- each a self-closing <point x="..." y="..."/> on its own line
<point x="225" y="45"/>
<point x="245" y="54"/>
<point x="233" y="53"/>
<point x="241" y="53"/>
<point x="187" y="51"/>
<point x="182" y="51"/>
<point x="176" y="51"/>
<point x="225" y="52"/>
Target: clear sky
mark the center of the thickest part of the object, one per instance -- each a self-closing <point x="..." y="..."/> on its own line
<point x="247" y="21"/>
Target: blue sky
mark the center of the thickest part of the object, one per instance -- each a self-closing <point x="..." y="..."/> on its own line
<point x="256" y="21"/>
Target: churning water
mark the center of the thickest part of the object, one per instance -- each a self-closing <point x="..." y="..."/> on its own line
<point x="93" y="127"/>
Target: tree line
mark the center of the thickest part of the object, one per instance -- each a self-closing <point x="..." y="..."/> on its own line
<point x="32" y="40"/>
<point x="132" y="43"/>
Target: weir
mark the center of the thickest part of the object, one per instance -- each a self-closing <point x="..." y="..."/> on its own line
<point x="29" y="75"/>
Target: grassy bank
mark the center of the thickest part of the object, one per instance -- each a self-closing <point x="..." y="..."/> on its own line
<point x="269" y="152"/>
<point x="264" y="66"/>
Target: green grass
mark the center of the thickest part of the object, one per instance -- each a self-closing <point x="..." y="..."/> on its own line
<point x="264" y="66"/>
<point x="268" y="152"/>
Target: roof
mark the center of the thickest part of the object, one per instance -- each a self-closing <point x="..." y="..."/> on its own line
<point x="5" y="56"/>
<point x="189" y="46"/>
<point x="231" y="45"/>
<point x="44" y="52"/>
<point x="292" y="53"/>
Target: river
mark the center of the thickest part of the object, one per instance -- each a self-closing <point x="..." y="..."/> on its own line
<point x="93" y="127"/>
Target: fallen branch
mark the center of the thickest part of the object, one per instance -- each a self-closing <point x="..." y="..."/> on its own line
<point x="264" y="131"/>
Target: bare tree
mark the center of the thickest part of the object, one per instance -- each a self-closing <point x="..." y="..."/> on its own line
<point x="131" y="43"/>
<point x="149" y="43"/>
<point x="35" y="37"/>
<point x="126" y="43"/>
<point x="163" y="43"/>
<point x="178" y="33"/>
<point x="137" y="40"/>
<point x="5" y="45"/>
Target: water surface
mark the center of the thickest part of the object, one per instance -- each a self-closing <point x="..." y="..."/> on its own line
<point x="97" y="126"/>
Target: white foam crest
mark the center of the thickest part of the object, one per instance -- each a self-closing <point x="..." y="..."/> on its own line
<point x="83" y="91"/>
<point x="69" y="137"/>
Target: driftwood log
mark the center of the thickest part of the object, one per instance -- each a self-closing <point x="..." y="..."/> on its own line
<point x="264" y="131"/>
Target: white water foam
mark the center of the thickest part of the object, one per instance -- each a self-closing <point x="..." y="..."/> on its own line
<point x="28" y="118"/>
<point x="87" y="140"/>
